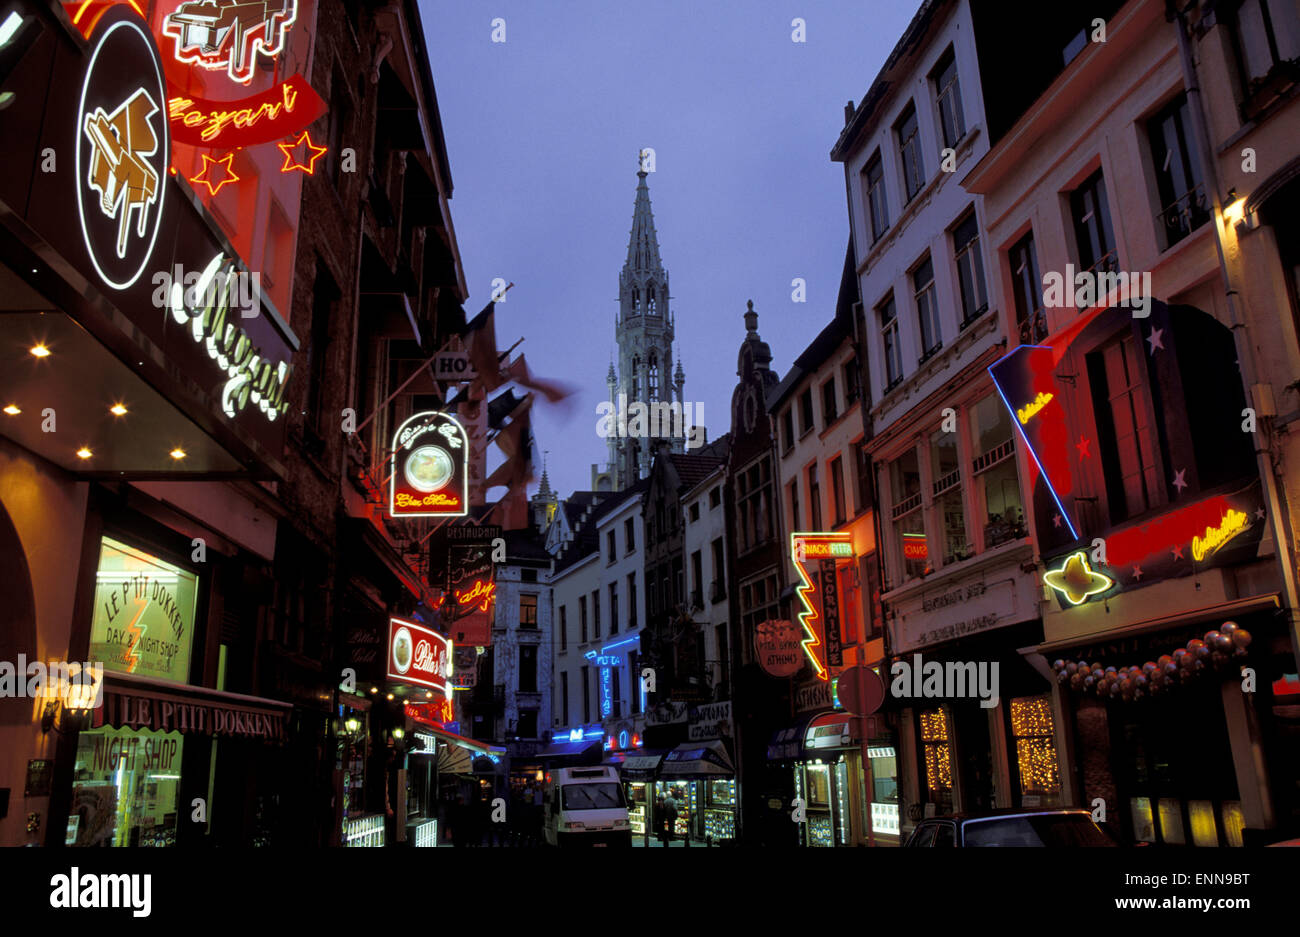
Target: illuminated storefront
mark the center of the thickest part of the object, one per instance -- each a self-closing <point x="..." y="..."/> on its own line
<point x="701" y="778"/>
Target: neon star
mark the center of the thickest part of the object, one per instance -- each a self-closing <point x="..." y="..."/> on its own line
<point x="1137" y="572"/>
<point x="1076" y="580"/>
<point x="1178" y="552"/>
<point x="1154" y="339"/>
<point x="1179" y="481"/>
<point x="314" y="153"/>
<point x="1057" y="520"/>
<point x="1260" y="513"/>
<point x="205" y="177"/>
<point x="1082" y="445"/>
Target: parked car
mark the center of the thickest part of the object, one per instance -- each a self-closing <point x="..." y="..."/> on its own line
<point x="1013" y="827"/>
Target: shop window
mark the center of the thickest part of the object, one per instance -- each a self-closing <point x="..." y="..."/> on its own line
<point x="1124" y="426"/>
<point x="1184" y="206"/>
<point x="884" y="789"/>
<point x="997" y="481"/>
<point x="1027" y="289"/>
<point x="1092" y="231"/>
<point x="945" y="469"/>
<point x="1033" y="730"/>
<point x="909" y="525"/>
<point x="125" y="788"/>
<point x="143" y="622"/>
<point x="938" y="759"/>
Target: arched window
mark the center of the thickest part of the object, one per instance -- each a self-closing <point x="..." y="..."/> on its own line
<point x="635" y="378"/>
<point x="650" y="302"/>
<point x="654" y="378"/>
<point x="636" y="302"/>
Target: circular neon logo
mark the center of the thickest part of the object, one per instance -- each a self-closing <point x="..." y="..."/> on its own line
<point x="122" y="150"/>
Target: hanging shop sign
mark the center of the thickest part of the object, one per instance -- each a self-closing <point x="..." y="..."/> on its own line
<point x="820" y="618"/>
<point x="957" y="608"/>
<point x="816" y="695"/>
<point x="157" y="271"/>
<point x="778" y="646"/>
<point x="465" y="672"/>
<point x="419" y="655"/>
<point x="143" y="622"/>
<point x="469" y="604"/>
<point x="428" y="471"/>
<point x="439" y="712"/>
<point x="709" y="721"/>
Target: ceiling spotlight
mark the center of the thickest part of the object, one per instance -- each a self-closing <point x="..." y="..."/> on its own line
<point x="374" y="689"/>
<point x="84" y="453"/>
<point x="117" y="410"/>
<point x="178" y="453"/>
<point x="12" y="410"/>
<point x="40" y="350"/>
<point x="428" y="694"/>
<point x="390" y="696"/>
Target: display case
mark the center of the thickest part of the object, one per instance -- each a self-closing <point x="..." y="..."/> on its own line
<point x="637" y="808"/>
<point x="720" y="809"/>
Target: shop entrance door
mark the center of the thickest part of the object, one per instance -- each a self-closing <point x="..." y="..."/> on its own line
<point x="974" y="757"/>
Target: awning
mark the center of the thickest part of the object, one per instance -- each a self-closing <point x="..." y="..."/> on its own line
<point x="586" y="749"/>
<point x="132" y="702"/>
<point x="830" y="731"/>
<point x="787" y="744"/>
<point x="642" y="766"/>
<point x="479" y="748"/>
<point x="698" y="760"/>
<point x="452" y="759"/>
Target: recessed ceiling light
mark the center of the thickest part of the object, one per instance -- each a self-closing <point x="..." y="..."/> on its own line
<point x="117" y="410"/>
<point x="84" y="453"/>
<point x="390" y="695"/>
<point x="40" y="350"/>
<point x="12" y="410"/>
<point x="178" y="453"/>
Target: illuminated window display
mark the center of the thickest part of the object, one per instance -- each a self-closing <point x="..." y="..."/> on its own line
<point x="143" y="622"/>
<point x="1034" y="733"/>
<point x="938" y="758"/>
<point x="125" y="788"/>
<point x="884" y="793"/>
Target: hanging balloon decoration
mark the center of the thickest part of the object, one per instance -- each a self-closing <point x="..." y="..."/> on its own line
<point x="1215" y="651"/>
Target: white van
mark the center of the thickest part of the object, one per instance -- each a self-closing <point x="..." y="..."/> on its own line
<point x="585" y="807"/>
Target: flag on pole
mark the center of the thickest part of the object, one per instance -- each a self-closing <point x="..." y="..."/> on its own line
<point x="480" y="337"/>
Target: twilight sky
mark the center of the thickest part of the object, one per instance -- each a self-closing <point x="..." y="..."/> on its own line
<point x="543" y="132"/>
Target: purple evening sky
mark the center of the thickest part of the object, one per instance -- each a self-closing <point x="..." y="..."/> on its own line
<point x="543" y="132"/>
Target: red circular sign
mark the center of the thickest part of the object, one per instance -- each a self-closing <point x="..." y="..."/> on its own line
<point x="861" y="691"/>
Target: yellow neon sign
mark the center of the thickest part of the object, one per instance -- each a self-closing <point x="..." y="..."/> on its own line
<point x="1076" y="580"/>
<point x="1233" y="523"/>
<point x="815" y="546"/>
<point x="1026" y="413"/>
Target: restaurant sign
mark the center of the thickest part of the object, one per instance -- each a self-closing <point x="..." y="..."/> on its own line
<point x="419" y="655"/>
<point x="428" y="468"/>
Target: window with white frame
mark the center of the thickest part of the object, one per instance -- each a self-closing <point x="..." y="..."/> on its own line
<point x="906" y="515"/>
<point x="873" y="179"/>
<point x="927" y="308"/>
<point x="950" y="512"/>
<point x="999" y="505"/>
<point x="909" y="151"/>
<point x="947" y="99"/>
<point x="1027" y="288"/>
<point x="888" y="315"/>
<point x="970" y="269"/>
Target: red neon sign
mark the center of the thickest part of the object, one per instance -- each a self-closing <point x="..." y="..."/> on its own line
<point x="481" y="593"/>
<point x="822" y="549"/>
<point x="915" y="547"/>
<point x="205" y="177"/>
<point x="1166" y="531"/>
<point x="272" y="115"/>
<point x="291" y="163"/>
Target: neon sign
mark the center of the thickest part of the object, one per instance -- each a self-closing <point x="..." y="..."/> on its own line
<point x="314" y="153"/>
<point x="481" y="593"/>
<point x="250" y="377"/>
<point x="228" y="34"/>
<point x="1076" y="580"/>
<point x="914" y="547"/>
<point x="1026" y="413"/>
<point x="427" y="474"/>
<point x="822" y="547"/>
<point x="120" y="155"/>
<point x="205" y="177"/>
<point x="1234" y="522"/>
<point x="260" y="118"/>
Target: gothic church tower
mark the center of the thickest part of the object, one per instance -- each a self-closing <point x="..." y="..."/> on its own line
<point x="644" y="331"/>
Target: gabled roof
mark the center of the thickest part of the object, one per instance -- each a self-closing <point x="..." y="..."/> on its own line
<point x="691" y="468"/>
<point x="813" y="357"/>
<point x="586" y="539"/>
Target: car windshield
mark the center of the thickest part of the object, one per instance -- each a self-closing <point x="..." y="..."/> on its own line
<point x="1050" y="829"/>
<point x="592" y="796"/>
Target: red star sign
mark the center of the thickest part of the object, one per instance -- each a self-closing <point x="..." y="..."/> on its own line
<point x="1082" y="445"/>
<point x="205" y="177"/>
<point x="314" y="153"/>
